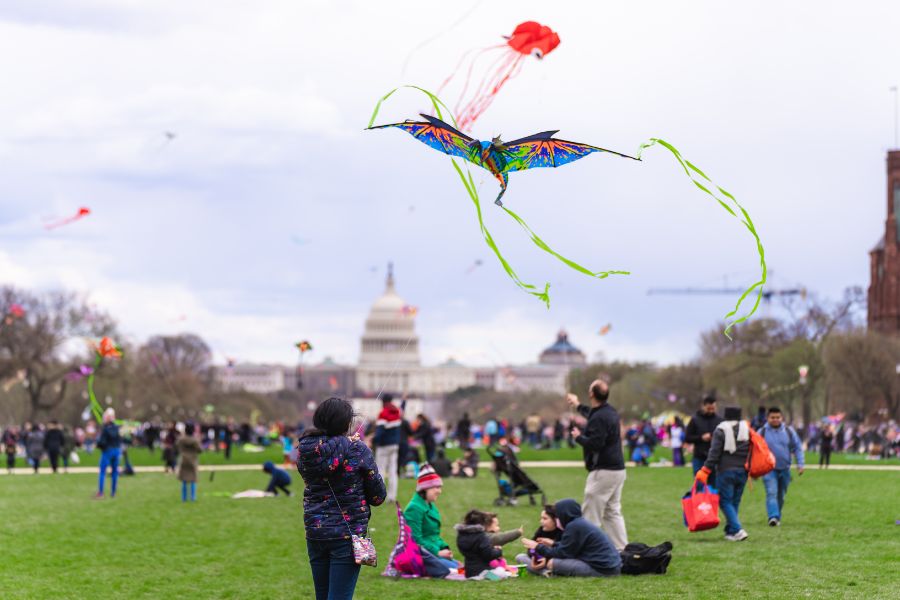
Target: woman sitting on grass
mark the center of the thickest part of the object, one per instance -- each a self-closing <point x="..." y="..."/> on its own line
<point x="424" y="522"/>
<point x="342" y="484"/>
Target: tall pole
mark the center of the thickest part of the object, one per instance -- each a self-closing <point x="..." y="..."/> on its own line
<point x="896" y="118"/>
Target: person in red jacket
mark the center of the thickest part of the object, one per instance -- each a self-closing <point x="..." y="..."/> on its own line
<point x="387" y="444"/>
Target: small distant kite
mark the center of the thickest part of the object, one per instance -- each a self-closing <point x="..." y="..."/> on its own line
<point x="15" y="312"/>
<point x="409" y="310"/>
<point x="605" y="329"/>
<point x="303" y="346"/>
<point x="82" y="372"/>
<point x="299" y="240"/>
<point x="82" y="212"/>
<point x="528" y="39"/>
<point x="474" y="266"/>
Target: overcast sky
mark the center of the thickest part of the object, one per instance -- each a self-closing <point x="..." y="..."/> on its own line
<point x="261" y="221"/>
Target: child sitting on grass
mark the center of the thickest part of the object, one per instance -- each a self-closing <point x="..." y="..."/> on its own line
<point x="548" y="534"/>
<point x="501" y="538"/>
<point x="475" y="544"/>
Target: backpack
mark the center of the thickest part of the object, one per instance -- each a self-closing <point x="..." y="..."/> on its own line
<point x="760" y="460"/>
<point x="638" y="559"/>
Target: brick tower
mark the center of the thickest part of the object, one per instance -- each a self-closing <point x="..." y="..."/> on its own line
<point x="884" y="289"/>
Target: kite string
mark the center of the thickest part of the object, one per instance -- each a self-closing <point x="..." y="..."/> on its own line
<point x="690" y="170"/>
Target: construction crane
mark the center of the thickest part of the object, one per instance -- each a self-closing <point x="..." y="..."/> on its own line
<point x="766" y="294"/>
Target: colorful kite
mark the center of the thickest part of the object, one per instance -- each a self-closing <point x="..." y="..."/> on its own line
<point x="15" y="312"/>
<point x="542" y="150"/>
<point x="304" y="347"/>
<point x="106" y="348"/>
<point x="409" y="310"/>
<point x="474" y="266"/>
<point x="528" y="39"/>
<point x="82" y="212"/>
<point x="497" y="156"/>
<point x="605" y="329"/>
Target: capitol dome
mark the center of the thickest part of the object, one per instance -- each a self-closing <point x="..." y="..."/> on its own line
<point x="390" y="333"/>
<point x="562" y="352"/>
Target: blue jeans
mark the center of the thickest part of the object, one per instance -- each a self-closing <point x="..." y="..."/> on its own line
<point x="334" y="570"/>
<point x="776" y="482"/>
<point x="697" y="464"/>
<point x="109" y="459"/>
<point x="437" y="567"/>
<point x="731" y="487"/>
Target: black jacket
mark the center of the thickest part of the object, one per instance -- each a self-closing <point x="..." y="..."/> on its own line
<point x="554" y="535"/>
<point x="476" y="548"/>
<point x="583" y="540"/>
<point x="723" y="461"/>
<point x="109" y="437"/>
<point x="53" y="440"/>
<point x="601" y="439"/>
<point x="701" y="423"/>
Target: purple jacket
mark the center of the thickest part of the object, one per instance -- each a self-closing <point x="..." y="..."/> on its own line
<point x="349" y="468"/>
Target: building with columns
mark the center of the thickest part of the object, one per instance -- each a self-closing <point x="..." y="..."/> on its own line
<point x="389" y="361"/>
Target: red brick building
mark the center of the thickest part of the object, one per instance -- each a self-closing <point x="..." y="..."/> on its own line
<point x="884" y="289"/>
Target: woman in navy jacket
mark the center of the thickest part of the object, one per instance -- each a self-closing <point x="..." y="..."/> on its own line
<point x="342" y="484"/>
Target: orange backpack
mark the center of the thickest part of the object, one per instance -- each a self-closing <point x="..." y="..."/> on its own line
<point x="760" y="460"/>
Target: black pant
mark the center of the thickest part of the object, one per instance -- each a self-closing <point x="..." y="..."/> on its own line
<point x="10" y="461"/>
<point x="54" y="459"/>
<point x="825" y="457"/>
<point x="228" y="450"/>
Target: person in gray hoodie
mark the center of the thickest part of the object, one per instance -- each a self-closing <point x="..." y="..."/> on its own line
<point x="728" y="456"/>
<point x="784" y="442"/>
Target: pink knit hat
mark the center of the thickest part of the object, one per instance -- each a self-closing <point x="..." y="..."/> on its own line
<point x="428" y="478"/>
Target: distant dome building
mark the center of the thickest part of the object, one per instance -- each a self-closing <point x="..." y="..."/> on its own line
<point x="389" y="338"/>
<point x="563" y="353"/>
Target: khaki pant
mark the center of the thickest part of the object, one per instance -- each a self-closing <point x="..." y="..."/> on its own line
<point x="386" y="459"/>
<point x="603" y="504"/>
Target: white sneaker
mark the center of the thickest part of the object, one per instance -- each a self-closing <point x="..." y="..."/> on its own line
<point x="737" y="537"/>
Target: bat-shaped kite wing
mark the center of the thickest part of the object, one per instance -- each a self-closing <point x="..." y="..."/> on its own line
<point x="441" y="136"/>
<point x="543" y="150"/>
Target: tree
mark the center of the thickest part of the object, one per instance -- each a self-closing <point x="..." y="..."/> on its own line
<point x="862" y="368"/>
<point x="36" y="343"/>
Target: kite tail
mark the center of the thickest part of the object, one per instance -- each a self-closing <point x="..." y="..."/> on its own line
<point x="469" y="184"/>
<point x="95" y="406"/>
<point x="704" y="183"/>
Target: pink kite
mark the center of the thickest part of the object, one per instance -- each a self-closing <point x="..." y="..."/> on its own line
<point x="82" y="212"/>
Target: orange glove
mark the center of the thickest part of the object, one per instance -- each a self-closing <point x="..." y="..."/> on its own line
<point x="702" y="475"/>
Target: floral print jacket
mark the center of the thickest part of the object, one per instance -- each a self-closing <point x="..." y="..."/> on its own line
<point x="336" y="466"/>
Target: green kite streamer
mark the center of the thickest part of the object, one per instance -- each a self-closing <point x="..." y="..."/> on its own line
<point x="704" y="183"/>
<point x="469" y="184"/>
<point x="543" y="150"/>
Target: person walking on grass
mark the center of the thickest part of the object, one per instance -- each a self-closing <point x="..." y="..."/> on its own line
<point x="784" y="443"/>
<point x="10" y="441"/>
<point x="53" y="444"/>
<point x="728" y="454"/>
<point x="699" y="432"/>
<point x="189" y="449"/>
<point x="825" y="445"/>
<point x="342" y="486"/>
<point x="34" y="446"/>
<point x="601" y="442"/>
<point x="110" y="444"/>
<point x="387" y="444"/>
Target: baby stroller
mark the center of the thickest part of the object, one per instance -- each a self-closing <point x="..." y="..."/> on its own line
<point x="512" y="481"/>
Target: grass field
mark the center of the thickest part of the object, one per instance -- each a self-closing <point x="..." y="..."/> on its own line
<point x="143" y="457"/>
<point x="839" y="540"/>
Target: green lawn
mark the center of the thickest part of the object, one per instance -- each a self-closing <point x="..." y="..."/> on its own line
<point x="838" y="540"/>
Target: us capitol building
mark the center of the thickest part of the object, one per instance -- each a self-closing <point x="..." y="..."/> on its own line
<point x="389" y="360"/>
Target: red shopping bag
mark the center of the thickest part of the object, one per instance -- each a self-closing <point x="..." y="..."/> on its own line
<point x="701" y="508"/>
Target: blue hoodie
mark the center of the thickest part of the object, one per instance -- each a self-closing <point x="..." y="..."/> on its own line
<point x="783" y="442"/>
<point x="279" y="476"/>
<point x="581" y="539"/>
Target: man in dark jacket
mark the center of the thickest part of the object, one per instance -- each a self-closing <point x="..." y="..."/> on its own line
<point x="602" y="445"/>
<point x="463" y="431"/>
<point x="728" y="456"/>
<point x="53" y="443"/>
<point x="699" y="432"/>
<point x="582" y="551"/>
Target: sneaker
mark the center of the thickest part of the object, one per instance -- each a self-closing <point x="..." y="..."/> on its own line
<point x="98" y="496"/>
<point x="738" y="537"/>
<point x="774" y="522"/>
